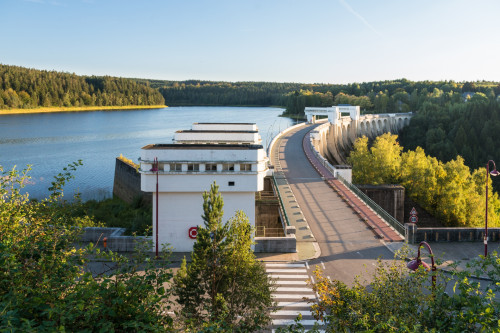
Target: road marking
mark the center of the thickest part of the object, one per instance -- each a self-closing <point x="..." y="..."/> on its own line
<point x="323" y="265"/>
<point x="298" y="289"/>
<point x="312" y="279"/>
<point x="319" y="331"/>
<point x="285" y="265"/>
<point x="307" y="265"/>
<point x="291" y="282"/>
<point x="294" y="296"/>
<point x="294" y="304"/>
<point x="289" y="276"/>
<point x="292" y="313"/>
<point x="277" y="270"/>
<point x="292" y="321"/>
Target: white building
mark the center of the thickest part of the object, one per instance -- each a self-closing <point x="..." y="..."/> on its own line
<point x="334" y="113"/>
<point x="229" y="154"/>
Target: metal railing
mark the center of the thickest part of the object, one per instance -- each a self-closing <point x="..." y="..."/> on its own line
<point x="373" y="205"/>
<point x="263" y="231"/>
<point x="282" y="207"/>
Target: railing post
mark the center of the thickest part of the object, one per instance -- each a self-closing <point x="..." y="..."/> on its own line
<point x="410" y="231"/>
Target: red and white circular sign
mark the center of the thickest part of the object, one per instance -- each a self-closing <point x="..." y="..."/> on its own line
<point x="193" y="232"/>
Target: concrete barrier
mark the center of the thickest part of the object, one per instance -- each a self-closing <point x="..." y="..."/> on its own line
<point x="115" y="240"/>
<point x="416" y="235"/>
<point x="276" y="244"/>
<point x="288" y="129"/>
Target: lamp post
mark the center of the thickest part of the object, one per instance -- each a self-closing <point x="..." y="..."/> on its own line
<point x="417" y="262"/>
<point x="494" y="172"/>
<point x="155" y="169"/>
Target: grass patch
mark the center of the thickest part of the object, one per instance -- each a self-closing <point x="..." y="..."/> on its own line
<point x="114" y="212"/>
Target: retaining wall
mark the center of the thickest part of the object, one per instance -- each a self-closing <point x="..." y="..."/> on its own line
<point x="276" y="244"/>
<point x="118" y="243"/>
<point x="115" y="240"/>
<point x="416" y="235"/>
<point x="127" y="183"/>
<point x="390" y="197"/>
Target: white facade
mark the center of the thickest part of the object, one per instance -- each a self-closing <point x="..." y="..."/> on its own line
<point x="334" y="113"/>
<point x="224" y="127"/>
<point x="186" y="170"/>
<point x="214" y="136"/>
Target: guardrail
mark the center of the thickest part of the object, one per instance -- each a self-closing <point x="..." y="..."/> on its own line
<point x="282" y="207"/>
<point x="273" y="141"/>
<point x="262" y="231"/>
<point x="373" y="205"/>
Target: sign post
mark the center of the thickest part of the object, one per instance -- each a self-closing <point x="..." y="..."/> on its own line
<point x="413" y="215"/>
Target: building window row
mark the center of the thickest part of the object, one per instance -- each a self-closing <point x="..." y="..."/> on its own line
<point x="208" y="167"/>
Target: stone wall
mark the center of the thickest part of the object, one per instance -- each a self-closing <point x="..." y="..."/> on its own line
<point x="267" y="213"/>
<point x="390" y="197"/>
<point x="267" y="207"/>
<point x="127" y="183"/>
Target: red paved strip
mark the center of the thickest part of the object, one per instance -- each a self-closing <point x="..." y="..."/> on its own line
<point x="374" y="222"/>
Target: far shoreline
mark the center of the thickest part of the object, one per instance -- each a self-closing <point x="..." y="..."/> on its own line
<point x="79" y="109"/>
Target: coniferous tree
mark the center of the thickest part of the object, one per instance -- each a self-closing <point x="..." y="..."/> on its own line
<point x="224" y="287"/>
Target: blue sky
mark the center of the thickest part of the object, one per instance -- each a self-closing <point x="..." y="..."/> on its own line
<point x="313" y="41"/>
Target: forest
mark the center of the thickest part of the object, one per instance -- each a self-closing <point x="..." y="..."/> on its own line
<point x="451" y="118"/>
<point x="25" y="88"/>
<point x="449" y="191"/>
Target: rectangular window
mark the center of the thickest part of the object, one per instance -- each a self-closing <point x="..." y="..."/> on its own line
<point x="210" y="167"/>
<point x="193" y="167"/>
<point x="228" y="167"/>
<point x="245" y="167"/>
<point x="175" y="167"/>
<point x="230" y="183"/>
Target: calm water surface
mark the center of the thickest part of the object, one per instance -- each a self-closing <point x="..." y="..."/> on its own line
<point x="52" y="140"/>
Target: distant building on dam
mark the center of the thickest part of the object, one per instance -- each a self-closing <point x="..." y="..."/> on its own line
<point x="335" y="138"/>
<point x="231" y="154"/>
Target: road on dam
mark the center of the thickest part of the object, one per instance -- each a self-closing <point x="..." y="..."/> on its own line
<point x="348" y="246"/>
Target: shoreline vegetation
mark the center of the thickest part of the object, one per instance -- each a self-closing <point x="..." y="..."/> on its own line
<point x="54" y="109"/>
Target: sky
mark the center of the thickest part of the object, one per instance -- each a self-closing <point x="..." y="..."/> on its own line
<point x="307" y="41"/>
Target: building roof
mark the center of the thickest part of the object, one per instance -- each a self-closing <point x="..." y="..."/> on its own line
<point x="207" y="146"/>
<point x="224" y="123"/>
<point x="214" y="131"/>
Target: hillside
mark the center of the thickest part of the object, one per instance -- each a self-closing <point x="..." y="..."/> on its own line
<point x="25" y="88"/>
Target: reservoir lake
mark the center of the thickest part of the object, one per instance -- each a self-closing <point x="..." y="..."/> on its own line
<point x="50" y="141"/>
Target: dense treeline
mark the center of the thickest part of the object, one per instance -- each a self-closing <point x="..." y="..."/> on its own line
<point x="225" y="93"/>
<point x="449" y="191"/>
<point x="446" y="130"/>
<point x="388" y="96"/>
<point x="379" y="97"/>
<point x="30" y="88"/>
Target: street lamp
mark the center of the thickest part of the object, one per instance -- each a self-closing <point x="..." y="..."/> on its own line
<point x="493" y="173"/>
<point x="417" y="262"/>
<point x="155" y="168"/>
